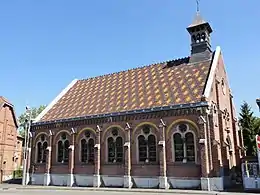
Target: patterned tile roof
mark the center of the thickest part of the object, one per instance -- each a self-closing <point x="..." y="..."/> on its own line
<point x="164" y="84"/>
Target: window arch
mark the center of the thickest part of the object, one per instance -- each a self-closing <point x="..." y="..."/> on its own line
<point x="184" y="144"/>
<point x="87" y="148"/>
<point x="147" y="149"/>
<point x="41" y="149"/>
<point x="115" y="147"/>
<point x="63" y="148"/>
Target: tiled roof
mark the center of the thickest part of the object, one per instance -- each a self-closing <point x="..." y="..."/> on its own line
<point x="174" y="83"/>
<point x="4" y="100"/>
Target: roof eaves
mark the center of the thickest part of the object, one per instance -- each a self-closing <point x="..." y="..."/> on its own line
<point x="213" y="68"/>
<point x="62" y="93"/>
<point x="154" y="109"/>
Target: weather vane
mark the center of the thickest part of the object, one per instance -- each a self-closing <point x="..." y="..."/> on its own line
<point x="198" y="5"/>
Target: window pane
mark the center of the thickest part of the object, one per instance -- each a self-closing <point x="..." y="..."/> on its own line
<point x="111" y="149"/>
<point x="44" y="150"/>
<point x="91" y="150"/>
<point x="60" y="151"/>
<point x="178" y="147"/>
<point x="66" y="151"/>
<point x="39" y="152"/>
<point x="119" y="149"/>
<point x="142" y="148"/>
<point x="152" y="148"/>
<point x="83" y="150"/>
<point x="190" y="147"/>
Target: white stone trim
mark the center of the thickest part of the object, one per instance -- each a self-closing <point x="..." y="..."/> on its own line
<point x="212" y="72"/>
<point x="63" y="92"/>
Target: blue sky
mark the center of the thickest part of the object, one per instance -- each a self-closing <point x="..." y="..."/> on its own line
<point x="44" y="45"/>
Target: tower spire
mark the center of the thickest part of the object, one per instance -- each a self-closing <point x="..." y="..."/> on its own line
<point x="200" y="31"/>
<point x="198" y="5"/>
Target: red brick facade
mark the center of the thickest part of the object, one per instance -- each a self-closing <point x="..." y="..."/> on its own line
<point x="10" y="142"/>
<point x="170" y="124"/>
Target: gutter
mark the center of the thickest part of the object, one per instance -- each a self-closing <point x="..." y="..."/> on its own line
<point x="139" y="111"/>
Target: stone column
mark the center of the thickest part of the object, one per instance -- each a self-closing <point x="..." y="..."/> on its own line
<point x="127" y="154"/>
<point x="163" y="181"/>
<point x="97" y="180"/>
<point x="204" y="160"/>
<point x="71" y="180"/>
<point x="29" y="154"/>
<point x="47" y="177"/>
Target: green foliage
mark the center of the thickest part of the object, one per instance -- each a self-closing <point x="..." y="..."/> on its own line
<point x="22" y="118"/>
<point x="250" y="126"/>
<point x="18" y="173"/>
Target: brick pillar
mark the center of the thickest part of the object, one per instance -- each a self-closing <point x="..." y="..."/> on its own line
<point x="204" y="160"/>
<point x="71" y="180"/>
<point x="127" y="154"/>
<point x="97" y="180"/>
<point x="163" y="182"/>
<point x="47" y="177"/>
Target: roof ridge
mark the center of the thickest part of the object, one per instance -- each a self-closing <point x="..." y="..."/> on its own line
<point x="140" y="67"/>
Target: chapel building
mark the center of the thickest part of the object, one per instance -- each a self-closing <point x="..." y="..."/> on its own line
<point x="166" y="125"/>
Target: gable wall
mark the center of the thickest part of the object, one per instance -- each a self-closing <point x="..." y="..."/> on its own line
<point x="8" y="140"/>
<point x="221" y="97"/>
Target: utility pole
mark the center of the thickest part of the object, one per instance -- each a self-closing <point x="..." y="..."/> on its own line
<point x="27" y="126"/>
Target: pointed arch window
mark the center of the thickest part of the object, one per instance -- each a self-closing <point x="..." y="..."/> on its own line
<point x="87" y="148"/>
<point x="147" y="148"/>
<point x="41" y="146"/>
<point x="63" y="148"/>
<point x="115" y="147"/>
<point x="184" y="144"/>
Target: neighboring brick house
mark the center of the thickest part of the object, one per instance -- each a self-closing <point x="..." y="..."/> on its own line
<point x="171" y="124"/>
<point x="10" y="149"/>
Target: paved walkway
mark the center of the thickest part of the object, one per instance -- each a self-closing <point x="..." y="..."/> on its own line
<point x="20" y="188"/>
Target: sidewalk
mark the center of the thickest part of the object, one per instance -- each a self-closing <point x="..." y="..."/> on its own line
<point x="17" y="187"/>
<point x="42" y="188"/>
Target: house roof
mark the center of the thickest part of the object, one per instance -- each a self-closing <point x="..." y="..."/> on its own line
<point x="172" y="83"/>
<point x="4" y="101"/>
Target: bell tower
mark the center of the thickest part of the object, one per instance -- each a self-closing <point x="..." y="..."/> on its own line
<point x="200" y="31"/>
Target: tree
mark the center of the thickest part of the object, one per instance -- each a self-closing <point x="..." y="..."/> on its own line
<point x="24" y="116"/>
<point x="250" y="127"/>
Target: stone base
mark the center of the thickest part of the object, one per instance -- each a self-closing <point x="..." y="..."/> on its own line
<point x="212" y="184"/>
<point x="47" y="179"/>
<point x="96" y="181"/>
<point x="71" y="180"/>
<point x="163" y="183"/>
<point x="128" y="181"/>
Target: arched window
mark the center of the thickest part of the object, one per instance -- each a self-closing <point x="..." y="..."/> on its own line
<point x="41" y="146"/>
<point x="203" y="36"/>
<point x="184" y="144"/>
<point x="178" y="147"/>
<point x="147" y="145"/>
<point x="87" y="148"/>
<point x="63" y="148"/>
<point x="115" y="147"/>
<point x="198" y="38"/>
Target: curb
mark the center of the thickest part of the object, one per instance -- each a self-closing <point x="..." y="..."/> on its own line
<point x="171" y="191"/>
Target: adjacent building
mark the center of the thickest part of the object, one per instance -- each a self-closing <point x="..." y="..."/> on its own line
<point x="167" y="125"/>
<point x="10" y="141"/>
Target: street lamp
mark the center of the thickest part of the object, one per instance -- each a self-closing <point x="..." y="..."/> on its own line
<point x="258" y="102"/>
<point x="27" y="126"/>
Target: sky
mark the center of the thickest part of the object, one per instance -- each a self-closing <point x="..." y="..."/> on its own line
<point x="44" y="45"/>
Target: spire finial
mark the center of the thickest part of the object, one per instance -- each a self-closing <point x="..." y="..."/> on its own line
<point x="198" y="5"/>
